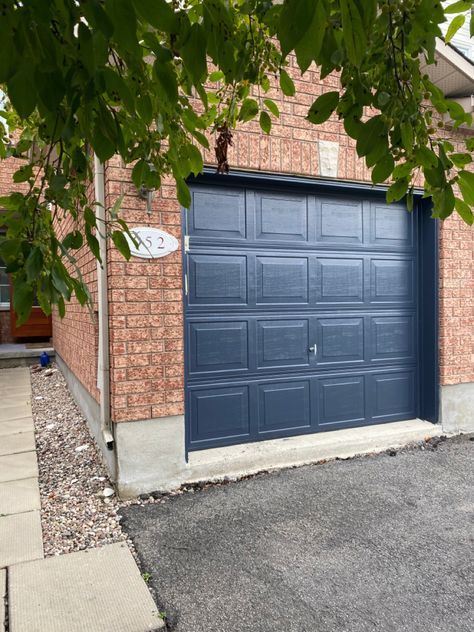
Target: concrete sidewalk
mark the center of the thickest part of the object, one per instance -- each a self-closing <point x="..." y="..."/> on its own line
<point x="100" y="590"/>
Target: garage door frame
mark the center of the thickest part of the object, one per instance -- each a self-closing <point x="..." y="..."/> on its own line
<point x="427" y="231"/>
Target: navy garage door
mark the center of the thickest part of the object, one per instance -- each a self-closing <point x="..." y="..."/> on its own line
<point x="301" y="313"/>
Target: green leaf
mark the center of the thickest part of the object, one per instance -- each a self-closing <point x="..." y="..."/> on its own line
<point x="373" y="133"/>
<point x="323" y="107"/>
<point x="249" y="110"/>
<point x="89" y="217"/>
<point x="61" y="307"/>
<point x="217" y="75"/>
<point x="383" y="169"/>
<point x="59" y="276"/>
<point x="466" y="184"/>
<point x="23" y="174"/>
<point x="444" y="202"/>
<point x="34" y="264"/>
<point x="295" y="19"/>
<point x="286" y="84"/>
<point x="272" y="106"/>
<point x="402" y="171"/>
<point x="460" y="160"/>
<point x="454" y="27"/>
<point x="184" y="195"/>
<point x="145" y="108"/>
<point x="406" y="131"/>
<point x="166" y="77"/>
<point x="397" y="190"/>
<point x="73" y="240"/>
<point x="121" y="243"/>
<point x="20" y="93"/>
<point x="193" y="52"/>
<point x="22" y="300"/>
<point x="158" y="13"/>
<point x="139" y="171"/>
<point x="308" y="48"/>
<point x="93" y="244"/>
<point x="202" y="140"/>
<point x="354" y="32"/>
<point x="464" y="211"/>
<point x="426" y="157"/>
<point x="103" y="146"/>
<point x="265" y="122"/>
<point x="195" y="159"/>
<point x="458" y="7"/>
<point x="124" y="19"/>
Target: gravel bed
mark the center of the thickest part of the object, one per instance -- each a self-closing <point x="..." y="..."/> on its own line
<point x="78" y="510"/>
<point x="75" y="514"/>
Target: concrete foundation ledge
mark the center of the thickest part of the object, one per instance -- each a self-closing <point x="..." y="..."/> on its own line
<point x="457" y="408"/>
<point x="91" y="411"/>
<point x="241" y="460"/>
<point x="151" y="453"/>
<point x="12" y="356"/>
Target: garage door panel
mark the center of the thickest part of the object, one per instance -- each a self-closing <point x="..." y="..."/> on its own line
<point x="340" y="280"/>
<point x="282" y="343"/>
<point x="391" y="226"/>
<point x="284" y="406"/>
<point x="340" y="341"/>
<point x="282" y="280"/>
<point x="341" y="400"/>
<point x="218" y="279"/>
<point x="220" y="412"/>
<point x="392" y="338"/>
<point x="392" y="395"/>
<point x="392" y="281"/>
<point x="218" y="213"/>
<point x="218" y="346"/>
<point x="340" y="222"/>
<point x="280" y="217"/>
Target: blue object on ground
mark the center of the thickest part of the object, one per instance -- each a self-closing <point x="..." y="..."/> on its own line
<point x="44" y="359"/>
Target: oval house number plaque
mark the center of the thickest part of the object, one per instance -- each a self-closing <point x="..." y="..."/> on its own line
<point x="152" y="243"/>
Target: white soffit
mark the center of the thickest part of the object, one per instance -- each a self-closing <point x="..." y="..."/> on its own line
<point x="452" y="73"/>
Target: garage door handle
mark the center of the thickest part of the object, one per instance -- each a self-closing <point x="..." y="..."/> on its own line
<point x="313" y="349"/>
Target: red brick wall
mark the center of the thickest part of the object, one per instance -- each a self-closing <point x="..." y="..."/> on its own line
<point x="5" y="332"/>
<point x="456" y="280"/>
<point x="75" y="337"/>
<point x="146" y="320"/>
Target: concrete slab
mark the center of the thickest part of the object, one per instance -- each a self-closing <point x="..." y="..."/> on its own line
<point x="17" y="443"/>
<point x="14" y="467"/>
<point x="100" y="590"/>
<point x="14" y="426"/>
<point x="20" y="397"/>
<point x="3" y="592"/>
<point x="13" y="383"/>
<point x="240" y="460"/>
<point x="21" y="539"/>
<point x="20" y="373"/>
<point x="17" y="411"/>
<point x="19" y="496"/>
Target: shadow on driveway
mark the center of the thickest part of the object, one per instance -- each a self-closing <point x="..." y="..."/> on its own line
<point x="376" y="543"/>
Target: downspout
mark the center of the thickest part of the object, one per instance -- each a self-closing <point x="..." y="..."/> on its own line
<point x="103" y="356"/>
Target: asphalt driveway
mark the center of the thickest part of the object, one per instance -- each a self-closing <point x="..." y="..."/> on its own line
<point x="377" y="543"/>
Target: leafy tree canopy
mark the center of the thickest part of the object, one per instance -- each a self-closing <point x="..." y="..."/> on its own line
<point x="145" y="79"/>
